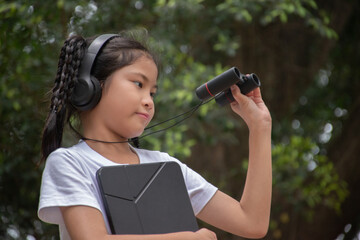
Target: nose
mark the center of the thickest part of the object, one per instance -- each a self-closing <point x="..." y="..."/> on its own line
<point x="148" y="102"/>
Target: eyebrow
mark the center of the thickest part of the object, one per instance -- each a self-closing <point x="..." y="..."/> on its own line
<point x="145" y="78"/>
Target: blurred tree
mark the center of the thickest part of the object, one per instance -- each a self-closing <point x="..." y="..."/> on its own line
<point x="25" y="58"/>
<point x="304" y="51"/>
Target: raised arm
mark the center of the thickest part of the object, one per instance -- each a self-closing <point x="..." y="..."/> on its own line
<point x="248" y="217"/>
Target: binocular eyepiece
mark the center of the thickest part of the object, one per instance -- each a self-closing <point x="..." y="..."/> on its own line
<point x="219" y="87"/>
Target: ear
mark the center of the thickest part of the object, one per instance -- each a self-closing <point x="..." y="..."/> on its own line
<point x="102" y="83"/>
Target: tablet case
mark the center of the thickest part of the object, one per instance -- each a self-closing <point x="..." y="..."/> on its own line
<point x="148" y="198"/>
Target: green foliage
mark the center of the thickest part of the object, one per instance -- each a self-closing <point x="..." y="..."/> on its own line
<point x="270" y="11"/>
<point x="303" y="180"/>
<point x="305" y="177"/>
<point x="25" y="60"/>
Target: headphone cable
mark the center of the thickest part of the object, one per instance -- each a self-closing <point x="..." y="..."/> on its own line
<point x="189" y="113"/>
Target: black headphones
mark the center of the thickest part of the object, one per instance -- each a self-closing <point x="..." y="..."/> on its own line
<point x="87" y="91"/>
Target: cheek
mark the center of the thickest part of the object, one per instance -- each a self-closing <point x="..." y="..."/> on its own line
<point x="152" y="112"/>
<point x="117" y="96"/>
<point x="112" y="107"/>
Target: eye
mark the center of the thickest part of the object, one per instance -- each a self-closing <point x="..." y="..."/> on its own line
<point x="153" y="94"/>
<point x="139" y="84"/>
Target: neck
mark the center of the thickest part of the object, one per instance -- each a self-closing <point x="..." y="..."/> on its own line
<point x="116" y="152"/>
<point x="102" y="141"/>
<point x="107" y="143"/>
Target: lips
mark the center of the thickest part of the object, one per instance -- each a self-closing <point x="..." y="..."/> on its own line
<point x="144" y="115"/>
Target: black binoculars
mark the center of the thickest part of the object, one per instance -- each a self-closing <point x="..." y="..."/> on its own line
<point x="219" y="87"/>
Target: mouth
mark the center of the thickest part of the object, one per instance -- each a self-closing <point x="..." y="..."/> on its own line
<point x="143" y="115"/>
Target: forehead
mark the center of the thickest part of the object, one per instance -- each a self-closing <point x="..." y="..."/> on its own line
<point x="146" y="66"/>
<point x="143" y="67"/>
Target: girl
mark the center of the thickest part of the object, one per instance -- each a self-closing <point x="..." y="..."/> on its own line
<point x="125" y="73"/>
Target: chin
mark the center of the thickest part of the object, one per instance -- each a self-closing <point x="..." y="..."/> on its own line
<point x="136" y="135"/>
<point x="134" y="131"/>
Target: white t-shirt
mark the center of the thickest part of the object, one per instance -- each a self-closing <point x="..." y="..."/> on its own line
<point x="69" y="179"/>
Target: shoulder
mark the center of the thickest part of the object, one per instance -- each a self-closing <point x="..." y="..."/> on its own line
<point x="68" y="173"/>
<point x="66" y="161"/>
<point x="61" y="154"/>
<point x="150" y="156"/>
<point x="153" y="156"/>
<point x="68" y="179"/>
<point x="74" y="150"/>
<point x="69" y="156"/>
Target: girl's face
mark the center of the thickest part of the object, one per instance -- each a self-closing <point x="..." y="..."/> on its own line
<point x="126" y="106"/>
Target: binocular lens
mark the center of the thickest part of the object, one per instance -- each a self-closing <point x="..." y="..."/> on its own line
<point x="250" y="82"/>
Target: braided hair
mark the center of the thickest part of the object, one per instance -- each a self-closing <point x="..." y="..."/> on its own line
<point x="60" y="107"/>
<point x="117" y="53"/>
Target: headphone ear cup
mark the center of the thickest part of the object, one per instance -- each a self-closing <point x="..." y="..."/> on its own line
<point x="87" y="90"/>
<point x="96" y="93"/>
<point x="86" y="94"/>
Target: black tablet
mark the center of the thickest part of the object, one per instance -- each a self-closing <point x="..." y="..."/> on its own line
<point x="148" y="198"/>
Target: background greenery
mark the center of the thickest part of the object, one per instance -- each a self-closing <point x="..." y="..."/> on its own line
<point x="306" y="53"/>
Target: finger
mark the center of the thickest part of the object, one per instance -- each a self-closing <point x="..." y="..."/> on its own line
<point x="257" y="92"/>
<point x="239" y="97"/>
<point x="212" y="235"/>
<point x="209" y="233"/>
<point x="255" y="95"/>
<point x="250" y="94"/>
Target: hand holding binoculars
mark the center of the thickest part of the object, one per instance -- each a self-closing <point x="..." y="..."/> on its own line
<point x="219" y="87"/>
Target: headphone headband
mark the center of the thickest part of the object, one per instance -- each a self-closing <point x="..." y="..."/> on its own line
<point x="87" y="91"/>
<point x="91" y="54"/>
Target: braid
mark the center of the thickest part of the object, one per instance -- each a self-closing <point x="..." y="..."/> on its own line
<point x="70" y="58"/>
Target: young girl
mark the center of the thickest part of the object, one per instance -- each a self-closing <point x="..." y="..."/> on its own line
<point x="125" y="73"/>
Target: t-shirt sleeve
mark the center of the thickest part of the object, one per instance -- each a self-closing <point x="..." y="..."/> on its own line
<point x="64" y="183"/>
<point x="200" y="191"/>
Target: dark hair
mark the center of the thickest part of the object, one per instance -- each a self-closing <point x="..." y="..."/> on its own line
<point x="117" y="53"/>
